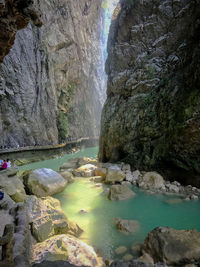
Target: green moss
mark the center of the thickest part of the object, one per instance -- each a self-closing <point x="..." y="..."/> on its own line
<point x="62" y="125"/>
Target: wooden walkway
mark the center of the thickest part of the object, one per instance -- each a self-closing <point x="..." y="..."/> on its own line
<point x="47" y="147"/>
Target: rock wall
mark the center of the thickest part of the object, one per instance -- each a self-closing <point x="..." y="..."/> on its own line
<point x="15" y="15"/>
<point x="52" y="83"/>
<point x="152" y="113"/>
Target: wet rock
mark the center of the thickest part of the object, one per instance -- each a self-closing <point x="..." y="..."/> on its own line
<point x="44" y="182"/>
<point x="47" y="218"/>
<point x="151" y="180"/>
<point x="120" y="192"/>
<point x="114" y="174"/>
<point x="120" y="250"/>
<point x="127" y="226"/>
<point x="87" y="170"/>
<point x="127" y="257"/>
<point x="66" y="248"/>
<point x="174" y="247"/>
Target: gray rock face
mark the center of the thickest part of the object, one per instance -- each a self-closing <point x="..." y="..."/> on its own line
<point x="15" y="15"/>
<point x="151" y="116"/>
<point x="52" y="79"/>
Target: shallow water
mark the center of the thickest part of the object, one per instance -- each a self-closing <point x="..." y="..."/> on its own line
<point x="98" y="223"/>
<point x="150" y="210"/>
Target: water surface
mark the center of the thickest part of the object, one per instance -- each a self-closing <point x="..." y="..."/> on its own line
<point x="98" y="223"/>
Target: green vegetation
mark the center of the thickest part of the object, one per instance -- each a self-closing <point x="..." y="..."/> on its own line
<point x="62" y="125"/>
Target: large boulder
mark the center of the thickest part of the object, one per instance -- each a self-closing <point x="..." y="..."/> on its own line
<point x="12" y="186"/>
<point x="44" y="182"/>
<point x="67" y="176"/>
<point x="114" y="174"/>
<point x="120" y="192"/>
<point x="151" y="180"/>
<point x="66" y="248"/>
<point x="127" y="226"/>
<point x="87" y="170"/>
<point x="174" y="247"/>
<point x="47" y="218"/>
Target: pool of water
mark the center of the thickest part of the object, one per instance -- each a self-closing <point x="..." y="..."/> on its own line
<point x="98" y="223"/>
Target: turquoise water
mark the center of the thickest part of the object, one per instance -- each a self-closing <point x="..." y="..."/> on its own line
<point x="55" y="163"/>
<point x="98" y="223"/>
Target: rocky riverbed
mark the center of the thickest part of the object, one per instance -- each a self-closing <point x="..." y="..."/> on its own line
<point x="42" y="232"/>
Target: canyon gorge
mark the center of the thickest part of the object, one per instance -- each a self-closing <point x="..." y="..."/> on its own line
<point x="133" y="200"/>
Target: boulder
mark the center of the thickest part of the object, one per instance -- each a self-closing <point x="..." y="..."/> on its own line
<point x="151" y="180"/>
<point x="66" y="248"/>
<point x="47" y="218"/>
<point x="127" y="226"/>
<point x="127" y="257"/>
<point x="120" y="250"/>
<point x="174" y="247"/>
<point x="114" y="174"/>
<point x="87" y="170"/>
<point x="12" y="186"/>
<point x="132" y="176"/>
<point x="44" y="182"/>
<point x="172" y="188"/>
<point x="120" y="192"/>
<point x="67" y="176"/>
<point x="136" y="248"/>
<point x="99" y="171"/>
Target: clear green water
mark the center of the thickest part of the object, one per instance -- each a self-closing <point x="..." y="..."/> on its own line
<point x="55" y="164"/>
<point x="98" y="223"/>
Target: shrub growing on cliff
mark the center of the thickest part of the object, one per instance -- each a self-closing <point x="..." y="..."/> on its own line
<point x="62" y="125"/>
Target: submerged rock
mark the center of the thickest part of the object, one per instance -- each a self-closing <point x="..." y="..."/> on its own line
<point x="127" y="257"/>
<point x="66" y="248"/>
<point x="173" y="201"/>
<point x="47" y="218"/>
<point x="120" y="250"/>
<point x="127" y="226"/>
<point x="174" y="247"/>
<point x="44" y="182"/>
<point x="120" y="192"/>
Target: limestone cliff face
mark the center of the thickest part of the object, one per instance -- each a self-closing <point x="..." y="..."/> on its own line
<point x="151" y="118"/>
<point x="52" y="79"/>
<point x="15" y="15"/>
